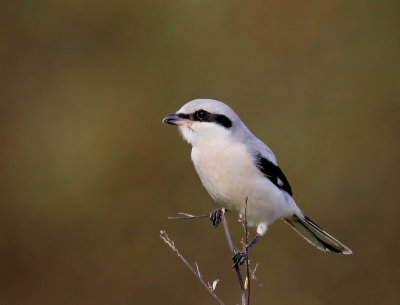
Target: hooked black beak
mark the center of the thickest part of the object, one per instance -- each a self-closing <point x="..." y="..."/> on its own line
<point x="172" y="119"/>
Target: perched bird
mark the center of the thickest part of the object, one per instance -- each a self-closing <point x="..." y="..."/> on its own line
<point x="236" y="167"/>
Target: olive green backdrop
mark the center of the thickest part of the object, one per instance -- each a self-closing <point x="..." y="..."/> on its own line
<point x="88" y="174"/>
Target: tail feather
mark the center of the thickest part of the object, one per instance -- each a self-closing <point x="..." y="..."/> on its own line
<point x="315" y="235"/>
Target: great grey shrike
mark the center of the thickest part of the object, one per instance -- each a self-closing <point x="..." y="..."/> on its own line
<point x="236" y="167"/>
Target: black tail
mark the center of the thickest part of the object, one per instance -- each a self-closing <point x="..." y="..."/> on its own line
<point x="315" y="235"/>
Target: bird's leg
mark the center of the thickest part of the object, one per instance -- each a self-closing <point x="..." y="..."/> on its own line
<point x="216" y="217"/>
<point x="239" y="257"/>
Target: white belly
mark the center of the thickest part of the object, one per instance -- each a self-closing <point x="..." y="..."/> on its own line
<point x="230" y="176"/>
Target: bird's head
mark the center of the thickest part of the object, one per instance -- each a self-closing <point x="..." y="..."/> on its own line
<point x="204" y="120"/>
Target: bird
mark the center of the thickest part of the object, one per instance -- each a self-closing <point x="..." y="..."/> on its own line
<point x="240" y="172"/>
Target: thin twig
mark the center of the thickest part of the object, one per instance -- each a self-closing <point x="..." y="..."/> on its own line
<point x="187" y="216"/>
<point x="232" y="249"/>
<point x="250" y="273"/>
<point x="246" y="233"/>
<point x="164" y="236"/>
<point x="253" y="275"/>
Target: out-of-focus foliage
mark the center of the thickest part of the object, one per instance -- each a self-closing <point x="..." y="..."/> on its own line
<point x="89" y="174"/>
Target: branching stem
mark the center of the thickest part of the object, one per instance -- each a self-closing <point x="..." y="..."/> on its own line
<point x="250" y="274"/>
<point x="164" y="236"/>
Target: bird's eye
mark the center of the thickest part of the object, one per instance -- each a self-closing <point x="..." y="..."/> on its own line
<point x="201" y="114"/>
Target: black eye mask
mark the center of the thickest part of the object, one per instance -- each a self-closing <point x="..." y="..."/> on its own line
<point x="205" y="116"/>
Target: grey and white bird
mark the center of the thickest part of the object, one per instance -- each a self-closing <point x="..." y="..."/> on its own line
<point x="236" y="167"/>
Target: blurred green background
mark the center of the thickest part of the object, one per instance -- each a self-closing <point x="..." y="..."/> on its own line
<point x="89" y="174"/>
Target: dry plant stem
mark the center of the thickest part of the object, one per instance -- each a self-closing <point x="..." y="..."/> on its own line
<point x="246" y="233"/>
<point x="253" y="275"/>
<point x="170" y="243"/>
<point x="250" y="273"/>
<point x="187" y="216"/>
<point x="231" y="247"/>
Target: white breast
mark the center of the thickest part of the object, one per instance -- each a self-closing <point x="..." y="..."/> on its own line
<point x="219" y="169"/>
<point x="227" y="171"/>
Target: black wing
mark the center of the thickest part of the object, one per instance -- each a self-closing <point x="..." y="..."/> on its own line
<point x="273" y="173"/>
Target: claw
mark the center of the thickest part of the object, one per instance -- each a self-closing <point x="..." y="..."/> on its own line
<point x="216" y="217"/>
<point x="239" y="257"/>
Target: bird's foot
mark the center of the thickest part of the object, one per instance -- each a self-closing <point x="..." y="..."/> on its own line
<point x="216" y="217"/>
<point x="239" y="257"/>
